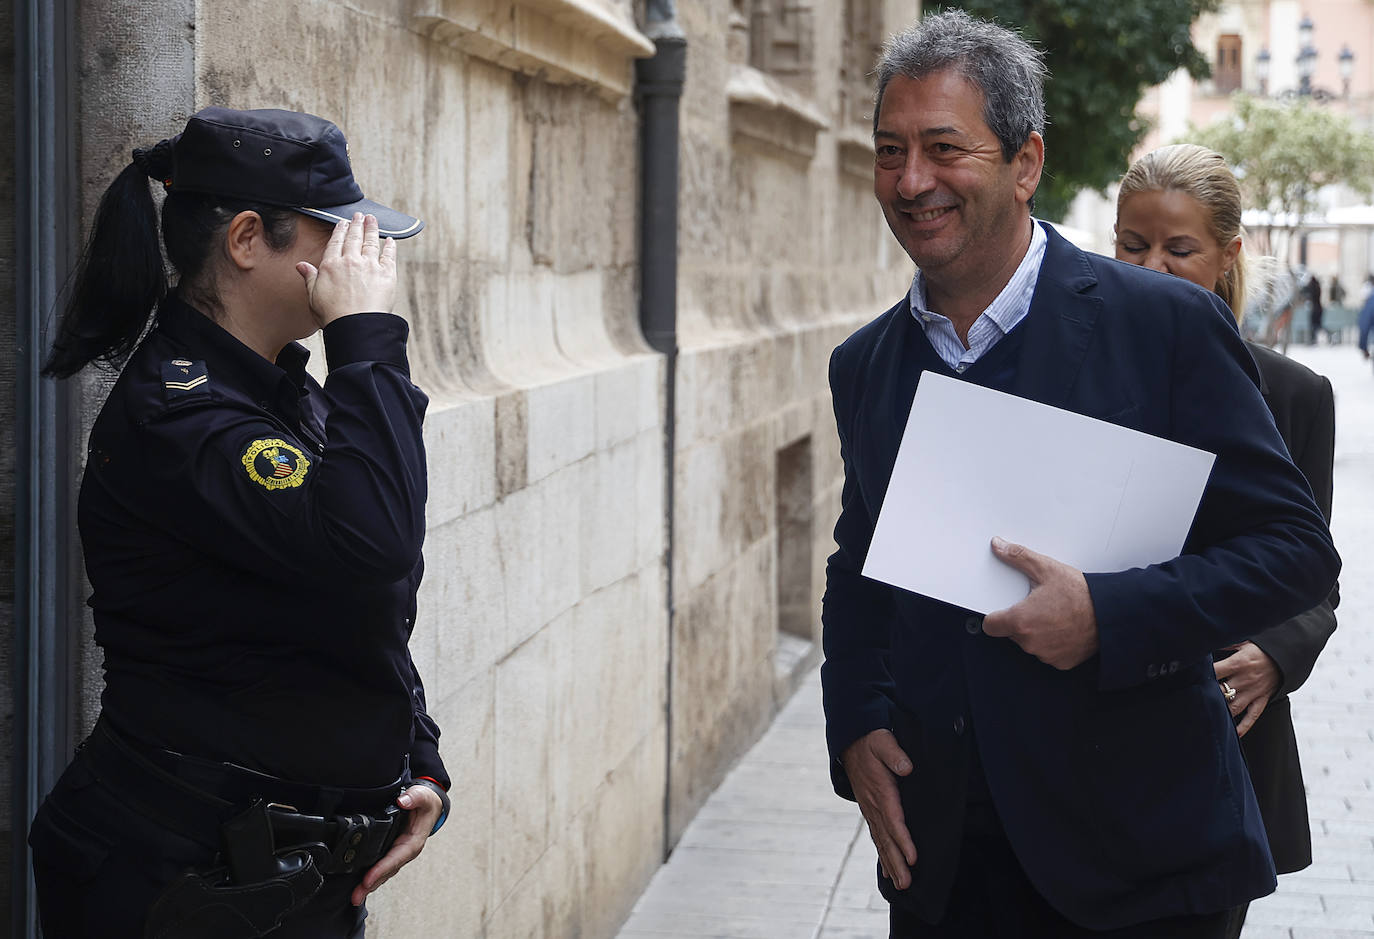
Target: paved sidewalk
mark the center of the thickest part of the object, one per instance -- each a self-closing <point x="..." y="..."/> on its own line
<point x="1334" y="711"/>
<point x="774" y="854"/>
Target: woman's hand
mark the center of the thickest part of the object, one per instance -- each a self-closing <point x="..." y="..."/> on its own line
<point x="357" y="273"/>
<point x="1255" y="678"/>
<point x="422" y="805"/>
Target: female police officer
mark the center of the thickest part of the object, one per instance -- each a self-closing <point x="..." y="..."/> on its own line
<point x="263" y="759"/>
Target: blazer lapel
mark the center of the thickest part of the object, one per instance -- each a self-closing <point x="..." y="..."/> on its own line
<point x="1059" y="325"/>
<point x="882" y="413"/>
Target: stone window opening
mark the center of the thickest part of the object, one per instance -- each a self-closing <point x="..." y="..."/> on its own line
<point x="794" y="500"/>
<point x="779" y="38"/>
<point x="863" y="45"/>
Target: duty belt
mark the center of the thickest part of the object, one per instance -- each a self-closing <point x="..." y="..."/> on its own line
<point x="274" y="856"/>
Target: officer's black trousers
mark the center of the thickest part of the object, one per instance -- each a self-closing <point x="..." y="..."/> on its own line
<point x="99" y="866"/>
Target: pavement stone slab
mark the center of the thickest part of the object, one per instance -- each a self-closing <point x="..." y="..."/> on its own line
<point x="721" y="927"/>
<point x="1267" y="932"/>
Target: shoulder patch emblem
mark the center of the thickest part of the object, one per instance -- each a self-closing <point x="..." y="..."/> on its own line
<point x="183" y="378"/>
<point x="273" y="463"/>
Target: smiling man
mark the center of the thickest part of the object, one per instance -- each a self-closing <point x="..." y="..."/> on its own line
<point x="1065" y="767"/>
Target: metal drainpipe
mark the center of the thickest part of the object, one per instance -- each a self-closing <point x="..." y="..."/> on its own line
<point x="659" y="82"/>
<point x="44" y="193"/>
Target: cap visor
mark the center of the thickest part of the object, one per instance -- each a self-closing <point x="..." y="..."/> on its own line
<point x="391" y="224"/>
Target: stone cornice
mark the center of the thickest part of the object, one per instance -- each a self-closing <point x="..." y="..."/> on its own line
<point x="582" y="42"/>
<point x="855" y="145"/>
<point x="765" y="109"/>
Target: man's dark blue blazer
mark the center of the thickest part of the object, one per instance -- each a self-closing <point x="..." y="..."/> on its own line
<point x="1120" y="783"/>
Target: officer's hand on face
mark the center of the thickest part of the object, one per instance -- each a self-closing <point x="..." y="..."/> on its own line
<point x="356" y="275"/>
<point x="422" y="805"/>
<point x="873" y="763"/>
<point x="1056" y="622"/>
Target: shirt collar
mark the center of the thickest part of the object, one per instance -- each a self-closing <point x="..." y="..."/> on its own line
<point x="1012" y="304"/>
<point x="261" y="378"/>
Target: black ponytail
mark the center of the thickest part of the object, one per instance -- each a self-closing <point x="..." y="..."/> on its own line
<point x="120" y="277"/>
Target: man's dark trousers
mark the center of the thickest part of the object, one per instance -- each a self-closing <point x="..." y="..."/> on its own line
<point x="993" y="899"/>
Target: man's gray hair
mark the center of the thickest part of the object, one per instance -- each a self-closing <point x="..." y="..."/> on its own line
<point x="1006" y="68"/>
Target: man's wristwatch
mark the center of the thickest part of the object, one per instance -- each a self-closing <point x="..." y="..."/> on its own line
<point x="443" y="797"/>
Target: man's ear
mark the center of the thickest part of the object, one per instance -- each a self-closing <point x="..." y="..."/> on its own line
<point x="1030" y="163"/>
<point x="245" y="241"/>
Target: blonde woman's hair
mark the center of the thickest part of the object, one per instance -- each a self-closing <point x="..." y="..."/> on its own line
<point x="1203" y="174"/>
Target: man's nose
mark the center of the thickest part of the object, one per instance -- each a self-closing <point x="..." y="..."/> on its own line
<point x="916" y="177"/>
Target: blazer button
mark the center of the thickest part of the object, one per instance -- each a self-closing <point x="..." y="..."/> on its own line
<point x="959" y="725"/>
<point x="1152" y="670"/>
<point x="1173" y="667"/>
<point x="973" y="625"/>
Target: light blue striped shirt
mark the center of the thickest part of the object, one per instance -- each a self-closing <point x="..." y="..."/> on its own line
<point x="1006" y="310"/>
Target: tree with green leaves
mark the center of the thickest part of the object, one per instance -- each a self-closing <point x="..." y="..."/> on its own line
<point x="1103" y="55"/>
<point x="1284" y="152"/>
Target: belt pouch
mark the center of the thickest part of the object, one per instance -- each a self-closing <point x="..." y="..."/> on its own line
<point x="208" y="906"/>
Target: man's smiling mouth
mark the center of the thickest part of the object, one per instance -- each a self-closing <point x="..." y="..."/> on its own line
<point x="929" y="214"/>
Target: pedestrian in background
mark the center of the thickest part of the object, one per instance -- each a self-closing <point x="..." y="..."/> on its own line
<point x="1178" y="211"/>
<point x="263" y="758"/>
<point x="1312" y="289"/>
<point x="1366" y="320"/>
<point x="1068" y="766"/>
<point x="1336" y="292"/>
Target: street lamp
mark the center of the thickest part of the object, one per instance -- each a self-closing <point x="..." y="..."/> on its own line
<point x="1307" y="56"/>
<point x="1306" y="63"/>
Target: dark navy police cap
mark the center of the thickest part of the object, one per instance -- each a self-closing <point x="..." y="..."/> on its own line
<point x="286" y="158"/>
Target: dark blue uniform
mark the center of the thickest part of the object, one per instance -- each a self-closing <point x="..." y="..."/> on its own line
<point x="253" y="541"/>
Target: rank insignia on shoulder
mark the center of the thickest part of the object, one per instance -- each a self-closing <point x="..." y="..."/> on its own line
<point x="273" y="463"/>
<point x="182" y="378"/>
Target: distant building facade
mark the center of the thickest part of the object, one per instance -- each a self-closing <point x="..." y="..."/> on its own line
<point x="1273" y="48"/>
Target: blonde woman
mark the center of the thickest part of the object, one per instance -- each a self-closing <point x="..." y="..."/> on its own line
<point x="1178" y="211"/>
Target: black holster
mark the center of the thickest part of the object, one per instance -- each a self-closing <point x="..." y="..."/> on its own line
<point x="262" y="884"/>
<point x="211" y="906"/>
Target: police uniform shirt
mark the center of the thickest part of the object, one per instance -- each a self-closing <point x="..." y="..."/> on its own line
<point x="253" y="544"/>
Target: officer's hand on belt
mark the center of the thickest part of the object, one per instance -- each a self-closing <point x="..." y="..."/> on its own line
<point x="357" y="273"/>
<point x="423" y="807"/>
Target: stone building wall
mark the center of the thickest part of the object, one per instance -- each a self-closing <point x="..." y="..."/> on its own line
<point x="549" y="654"/>
<point x="543" y="616"/>
<point x="783" y="253"/>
